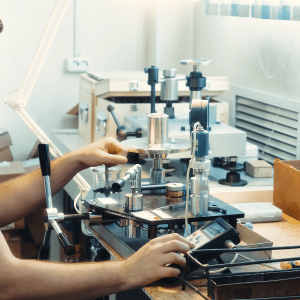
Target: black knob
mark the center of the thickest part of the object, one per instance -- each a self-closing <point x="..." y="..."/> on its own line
<point x="44" y="159"/>
<point x="117" y="186"/>
<point x="66" y="244"/>
<point x="45" y="247"/>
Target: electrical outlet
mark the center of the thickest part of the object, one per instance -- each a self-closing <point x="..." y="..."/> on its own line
<point x="77" y="64"/>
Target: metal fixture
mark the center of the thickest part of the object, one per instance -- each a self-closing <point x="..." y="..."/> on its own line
<point x="152" y="81"/>
<point x="101" y="123"/>
<point x="196" y="82"/>
<point x="174" y="190"/>
<point x="233" y="178"/>
<point x="83" y="112"/>
<point x="132" y="230"/>
<point x="169" y="90"/>
<point x="157" y="145"/>
<point x="122" y="132"/>
<point x="51" y="215"/>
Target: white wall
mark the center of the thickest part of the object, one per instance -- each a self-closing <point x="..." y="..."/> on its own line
<point x="230" y="43"/>
<point x="116" y="35"/>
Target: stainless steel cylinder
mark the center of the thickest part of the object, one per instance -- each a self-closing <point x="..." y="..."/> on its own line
<point x="169" y="87"/>
<point x="199" y="184"/>
<point x="199" y="204"/>
<point x="195" y="95"/>
<point x="131" y="230"/>
<point x="158" y="128"/>
<point x="133" y="202"/>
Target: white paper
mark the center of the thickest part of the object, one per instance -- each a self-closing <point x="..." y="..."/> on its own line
<point x="145" y="214"/>
<point x="108" y="200"/>
<point x="161" y="214"/>
<point x="5" y="164"/>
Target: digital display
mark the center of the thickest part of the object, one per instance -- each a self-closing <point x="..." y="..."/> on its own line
<point x="213" y="230"/>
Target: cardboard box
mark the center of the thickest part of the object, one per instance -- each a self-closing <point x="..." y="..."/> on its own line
<point x="9" y="170"/>
<point x="5" y="154"/>
<point x="259" y="169"/>
<point x="286" y="194"/>
<point x="31" y="164"/>
<point x="35" y="224"/>
<point x="5" y="140"/>
<point x="20" y="224"/>
<point x="35" y="151"/>
<point x="23" y="250"/>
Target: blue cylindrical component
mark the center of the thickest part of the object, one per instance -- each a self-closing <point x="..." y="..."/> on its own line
<point x="202" y="143"/>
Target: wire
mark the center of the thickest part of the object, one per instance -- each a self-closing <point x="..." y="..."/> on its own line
<point x="224" y="269"/>
<point x="188" y="179"/>
<point x="75" y="203"/>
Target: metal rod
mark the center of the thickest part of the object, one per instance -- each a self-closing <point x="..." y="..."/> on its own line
<point x="219" y="251"/>
<point x="56" y="227"/>
<point x="151" y="187"/>
<point x="207" y="267"/>
<point x="48" y="192"/>
<point x="152" y="99"/>
<point x="194" y="288"/>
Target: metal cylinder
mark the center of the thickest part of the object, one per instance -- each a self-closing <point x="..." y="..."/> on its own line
<point x="158" y="128"/>
<point x="133" y="202"/>
<point x="174" y="190"/>
<point x="131" y="230"/>
<point x="195" y="95"/>
<point x="169" y="87"/>
<point x="199" y="204"/>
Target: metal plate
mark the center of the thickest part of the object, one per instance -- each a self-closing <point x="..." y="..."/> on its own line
<point x="152" y="202"/>
<point x="140" y="145"/>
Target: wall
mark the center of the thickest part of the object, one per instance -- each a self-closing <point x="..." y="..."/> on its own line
<point x="115" y="34"/>
<point x="238" y="45"/>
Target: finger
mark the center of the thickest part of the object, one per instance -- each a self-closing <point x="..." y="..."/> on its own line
<point x="111" y="159"/>
<point x="169" y="272"/>
<point x="173" y="236"/>
<point x="174" y="246"/>
<point x="174" y="258"/>
<point x="114" y="147"/>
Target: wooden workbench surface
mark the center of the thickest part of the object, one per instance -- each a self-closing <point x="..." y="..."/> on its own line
<point x="284" y="233"/>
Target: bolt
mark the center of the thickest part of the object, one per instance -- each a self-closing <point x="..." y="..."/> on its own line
<point x="175" y="226"/>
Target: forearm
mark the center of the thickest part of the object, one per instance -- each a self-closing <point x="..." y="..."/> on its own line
<point x="22" y="195"/>
<point x="42" y="280"/>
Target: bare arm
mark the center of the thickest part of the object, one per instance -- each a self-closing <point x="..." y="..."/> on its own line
<point x="29" y="279"/>
<point x="24" y="194"/>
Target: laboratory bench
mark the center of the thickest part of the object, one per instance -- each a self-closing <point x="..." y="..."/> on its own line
<point x="281" y="233"/>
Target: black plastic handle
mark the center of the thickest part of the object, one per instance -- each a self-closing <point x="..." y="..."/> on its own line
<point x="66" y="244"/>
<point x="117" y="185"/>
<point x="44" y="159"/>
<point x="45" y="247"/>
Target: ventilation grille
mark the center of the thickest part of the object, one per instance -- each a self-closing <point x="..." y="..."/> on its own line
<point x="272" y="130"/>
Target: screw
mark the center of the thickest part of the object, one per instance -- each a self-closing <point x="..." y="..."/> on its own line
<point x="176" y="226"/>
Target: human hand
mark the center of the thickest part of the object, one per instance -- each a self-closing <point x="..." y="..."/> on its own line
<point x="149" y="263"/>
<point x="107" y="152"/>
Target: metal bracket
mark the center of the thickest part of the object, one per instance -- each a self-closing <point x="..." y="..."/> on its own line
<point x="101" y="123"/>
<point x="83" y="112"/>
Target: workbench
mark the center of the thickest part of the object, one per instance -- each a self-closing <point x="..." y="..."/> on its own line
<point x="281" y="233"/>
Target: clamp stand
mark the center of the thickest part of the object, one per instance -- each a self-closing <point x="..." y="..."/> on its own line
<point x="51" y="215"/>
<point x="122" y="132"/>
<point x="233" y="178"/>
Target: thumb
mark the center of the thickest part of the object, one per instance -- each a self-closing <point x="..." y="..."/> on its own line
<point x="115" y="159"/>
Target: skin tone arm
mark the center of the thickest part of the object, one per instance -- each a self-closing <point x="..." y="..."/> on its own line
<point x="29" y="279"/>
<point x="22" y="195"/>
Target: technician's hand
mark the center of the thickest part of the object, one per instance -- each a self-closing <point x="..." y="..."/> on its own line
<point x="108" y="152"/>
<point x="149" y="263"/>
